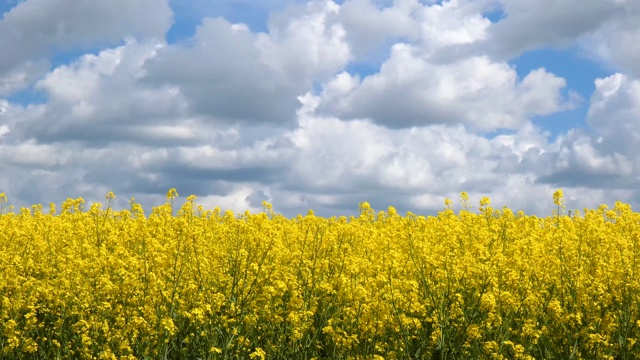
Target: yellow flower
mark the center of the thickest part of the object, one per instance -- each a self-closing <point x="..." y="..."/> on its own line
<point x="258" y="354"/>
<point x="473" y="332"/>
<point x="29" y="346"/>
<point x="172" y="194"/>
<point x="491" y="347"/>
<point x="169" y="326"/>
<point x="493" y="284"/>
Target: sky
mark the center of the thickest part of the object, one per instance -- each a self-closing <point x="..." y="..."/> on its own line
<point x="321" y="104"/>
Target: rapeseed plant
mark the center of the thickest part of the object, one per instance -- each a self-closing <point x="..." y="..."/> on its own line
<point x="190" y="283"/>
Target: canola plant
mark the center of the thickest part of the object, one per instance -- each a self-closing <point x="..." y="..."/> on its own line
<point x="190" y="283"/>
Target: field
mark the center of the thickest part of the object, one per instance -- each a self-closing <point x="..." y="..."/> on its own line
<point x="183" y="282"/>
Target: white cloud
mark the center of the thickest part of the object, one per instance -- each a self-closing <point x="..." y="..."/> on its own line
<point x="21" y="76"/>
<point x="358" y="160"/>
<point x="32" y="29"/>
<point x="615" y="42"/>
<point x="453" y="22"/>
<point x="614" y="114"/>
<point x="410" y="90"/>
<point x="533" y="25"/>
<point x="94" y="99"/>
<point x="4" y="129"/>
<point x="368" y="27"/>
<point x="236" y="201"/>
<point x="305" y="42"/>
<point x="603" y="159"/>
<point x="33" y="155"/>
<point x="220" y="78"/>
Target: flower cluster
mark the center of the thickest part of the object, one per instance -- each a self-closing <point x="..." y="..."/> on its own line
<point x="191" y="283"/>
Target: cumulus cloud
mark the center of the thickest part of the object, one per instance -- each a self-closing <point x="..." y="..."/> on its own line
<point x="95" y="98"/>
<point x="33" y="29"/>
<point x="20" y="77"/>
<point x="410" y="91"/>
<point x="530" y="25"/>
<point x="225" y="79"/>
<point x="444" y="31"/>
<point x="614" y="113"/>
<point x="615" y="43"/>
<point x="605" y="158"/>
<point x="236" y="75"/>
<point x="357" y="160"/>
<point x="453" y="23"/>
<point x="369" y="28"/>
<point x="305" y="42"/>
<point x="578" y="162"/>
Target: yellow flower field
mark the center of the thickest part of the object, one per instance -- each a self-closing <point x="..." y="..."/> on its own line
<point x="188" y="283"/>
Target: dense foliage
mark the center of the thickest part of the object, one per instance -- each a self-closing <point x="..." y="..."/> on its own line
<point x="190" y="283"/>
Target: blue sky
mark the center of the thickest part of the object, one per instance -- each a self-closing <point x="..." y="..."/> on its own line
<point x="579" y="73"/>
<point x="321" y="104"/>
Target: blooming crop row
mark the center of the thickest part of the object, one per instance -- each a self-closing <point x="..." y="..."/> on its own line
<point x="205" y="284"/>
